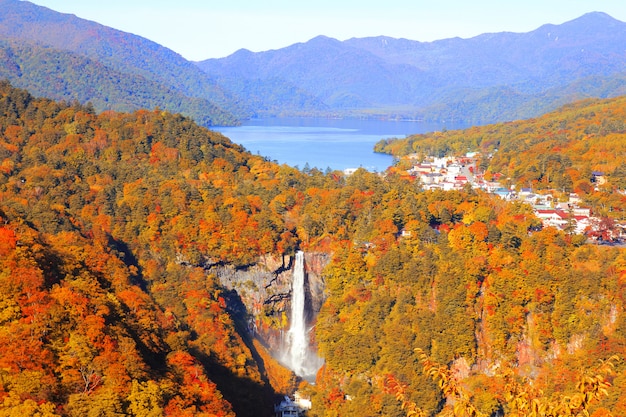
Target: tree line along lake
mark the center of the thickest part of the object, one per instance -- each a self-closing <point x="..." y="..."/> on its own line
<point x="322" y="143"/>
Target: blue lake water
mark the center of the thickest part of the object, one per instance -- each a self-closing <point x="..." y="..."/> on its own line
<point x="337" y="144"/>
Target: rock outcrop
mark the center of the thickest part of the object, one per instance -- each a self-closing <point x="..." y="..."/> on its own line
<point x="261" y="293"/>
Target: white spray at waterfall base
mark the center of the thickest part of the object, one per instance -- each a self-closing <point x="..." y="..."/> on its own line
<point x="300" y="356"/>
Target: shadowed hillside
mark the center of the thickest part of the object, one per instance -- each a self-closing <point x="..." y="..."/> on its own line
<point x="112" y="56"/>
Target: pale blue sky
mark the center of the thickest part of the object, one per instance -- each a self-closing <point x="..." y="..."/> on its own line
<point x="201" y="29"/>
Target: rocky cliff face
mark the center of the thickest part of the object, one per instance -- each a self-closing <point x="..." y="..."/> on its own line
<point x="262" y="293"/>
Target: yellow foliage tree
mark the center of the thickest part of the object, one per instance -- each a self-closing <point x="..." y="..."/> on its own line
<point x="520" y="398"/>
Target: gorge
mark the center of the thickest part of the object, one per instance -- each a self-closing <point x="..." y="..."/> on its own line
<point x="281" y="297"/>
<point x="147" y="261"/>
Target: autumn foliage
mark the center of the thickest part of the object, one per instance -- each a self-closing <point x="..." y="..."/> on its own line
<point x="578" y="148"/>
<point x="111" y="225"/>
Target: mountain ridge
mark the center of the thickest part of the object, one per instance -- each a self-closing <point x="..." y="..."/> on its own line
<point x="388" y="75"/>
<point x="525" y="74"/>
<point x="121" y="51"/>
<point x="55" y="74"/>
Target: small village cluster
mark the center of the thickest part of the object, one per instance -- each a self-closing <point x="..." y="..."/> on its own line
<point x="457" y="173"/>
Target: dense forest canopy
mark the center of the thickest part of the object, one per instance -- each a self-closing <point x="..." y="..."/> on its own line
<point x="106" y="304"/>
<point x="111" y="223"/>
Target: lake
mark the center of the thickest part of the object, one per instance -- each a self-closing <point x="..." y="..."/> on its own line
<point x="322" y="143"/>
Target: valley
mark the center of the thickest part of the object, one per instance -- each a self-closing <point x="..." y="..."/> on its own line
<point x="152" y="266"/>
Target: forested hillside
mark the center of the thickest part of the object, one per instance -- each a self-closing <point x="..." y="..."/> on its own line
<point x="561" y="152"/>
<point x="508" y="315"/>
<point x="107" y="224"/>
<point x="61" y="56"/>
<point x="112" y="223"/>
<point x="62" y="75"/>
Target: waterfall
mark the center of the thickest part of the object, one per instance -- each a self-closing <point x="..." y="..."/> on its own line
<point x="300" y="358"/>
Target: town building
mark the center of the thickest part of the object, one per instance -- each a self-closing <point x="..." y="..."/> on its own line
<point x="287" y="408"/>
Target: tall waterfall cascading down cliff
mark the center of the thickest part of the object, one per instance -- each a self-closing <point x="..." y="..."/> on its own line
<point x="301" y="358"/>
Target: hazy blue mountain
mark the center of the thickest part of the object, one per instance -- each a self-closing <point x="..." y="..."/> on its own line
<point x="124" y="54"/>
<point x="501" y="103"/>
<point x="339" y="75"/>
<point x="593" y="44"/>
<point x="491" y="77"/>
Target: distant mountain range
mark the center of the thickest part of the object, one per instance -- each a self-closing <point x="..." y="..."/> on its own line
<point x="488" y="78"/>
<point x="491" y="77"/>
